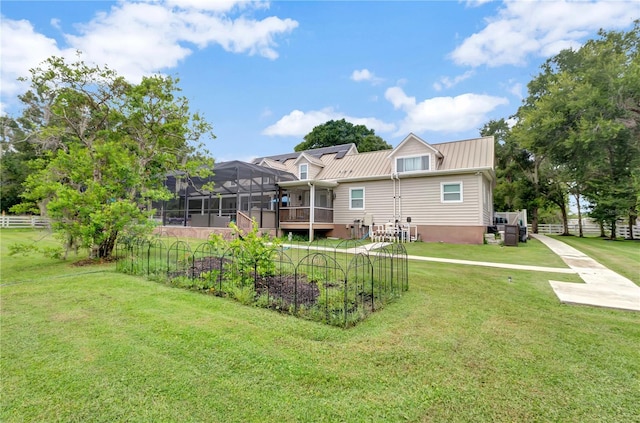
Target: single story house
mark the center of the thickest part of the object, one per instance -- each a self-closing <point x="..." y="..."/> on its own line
<point x="440" y="192"/>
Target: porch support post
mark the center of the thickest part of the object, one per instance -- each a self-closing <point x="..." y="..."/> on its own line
<point x="312" y="206"/>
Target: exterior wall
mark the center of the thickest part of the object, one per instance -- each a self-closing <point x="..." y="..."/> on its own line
<point x="313" y="169"/>
<point x="487" y="202"/>
<point x="419" y="198"/>
<point x="378" y="200"/>
<point x="200" y="233"/>
<point x="412" y="147"/>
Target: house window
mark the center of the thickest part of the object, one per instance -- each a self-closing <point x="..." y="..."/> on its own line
<point x="412" y="164"/>
<point x="304" y="171"/>
<point x="356" y="199"/>
<point x="451" y="192"/>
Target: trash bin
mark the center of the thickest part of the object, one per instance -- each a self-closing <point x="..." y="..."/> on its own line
<point x="511" y="234"/>
<point x="523" y="234"/>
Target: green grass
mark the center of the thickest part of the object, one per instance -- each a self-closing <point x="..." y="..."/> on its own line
<point x="532" y="252"/>
<point x="622" y="256"/>
<point x="88" y="344"/>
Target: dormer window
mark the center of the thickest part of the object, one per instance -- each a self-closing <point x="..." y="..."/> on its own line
<point x="303" y="171"/>
<point x="413" y="163"/>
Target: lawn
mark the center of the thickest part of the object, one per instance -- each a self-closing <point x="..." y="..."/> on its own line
<point x="532" y="252"/>
<point x="88" y="344"/>
<point x="622" y="256"/>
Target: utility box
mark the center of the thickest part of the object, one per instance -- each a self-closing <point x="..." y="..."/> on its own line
<point x="511" y="234"/>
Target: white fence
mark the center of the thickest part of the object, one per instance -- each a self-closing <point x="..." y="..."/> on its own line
<point x="588" y="229"/>
<point x="24" y="222"/>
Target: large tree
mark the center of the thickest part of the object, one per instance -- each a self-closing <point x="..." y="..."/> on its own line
<point x="336" y="132"/>
<point x="15" y="154"/>
<point x="105" y="146"/>
<point x="582" y="114"/>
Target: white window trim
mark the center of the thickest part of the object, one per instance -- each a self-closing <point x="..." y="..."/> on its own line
<point x="306" y="167"/>
<point x="395" y="164"/>
<point x="351" y="198"/>
<point x="442" y="184"/>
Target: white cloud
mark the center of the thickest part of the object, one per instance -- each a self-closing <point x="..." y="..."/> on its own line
<point x="299" y="123"/>
<point x="446" y="82"/>
<point x="365" y="75"/>
<point x="219" y="6"/>
<point x="540" y="28"/>
<point x="444" y="114"/>
<point x="130" y="36"/>
<point x="476" y="3"/>
<point x="22" y="49"/>
<point x="143" y="38"/>
<point x="516" y="89"/>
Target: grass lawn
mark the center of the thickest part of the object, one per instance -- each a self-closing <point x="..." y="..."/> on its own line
<point x="88" y="344"/>
<point x="622" y="256"/>
<point x="532" y="252"/>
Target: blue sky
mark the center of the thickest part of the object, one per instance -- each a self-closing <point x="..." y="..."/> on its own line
<point x="265" y="73"/>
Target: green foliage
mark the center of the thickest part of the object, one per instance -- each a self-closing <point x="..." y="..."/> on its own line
<point x="245" y="295"/>
<point x="254" y="252"/>
<point x="29" y="248"/>
<point x="15" y="154"/>
<point x="336" y="132"/>
<point x="104" y="147"/>
<point x="581" y="124"/>
<point x="577" y="133"/>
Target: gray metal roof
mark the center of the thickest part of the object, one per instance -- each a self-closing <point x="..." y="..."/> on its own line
<point x="339" y="150"/>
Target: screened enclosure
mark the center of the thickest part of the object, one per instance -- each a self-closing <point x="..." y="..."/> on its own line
<point x="237" y="187"/>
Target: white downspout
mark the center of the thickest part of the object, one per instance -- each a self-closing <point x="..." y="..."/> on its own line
<point x="399" y="199"/>
<point x="394" y="194"/>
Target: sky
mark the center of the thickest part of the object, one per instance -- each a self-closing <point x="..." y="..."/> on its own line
<point x="264" y="74"/>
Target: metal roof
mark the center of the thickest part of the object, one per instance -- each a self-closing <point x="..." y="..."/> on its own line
<point x="476" y="153"/>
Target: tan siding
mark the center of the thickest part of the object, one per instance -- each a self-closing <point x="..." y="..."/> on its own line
<point x="487" y="209"/>
<point x="412" y="147"/>
<point x="419" y="199"/>
<point x="314" y="171"/>
<point x="429" y="210"/>
<point x="378" y="200"/>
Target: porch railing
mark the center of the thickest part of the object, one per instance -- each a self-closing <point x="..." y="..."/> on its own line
<point x="302" y="214"/>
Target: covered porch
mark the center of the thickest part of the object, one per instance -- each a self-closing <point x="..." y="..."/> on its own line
<point x="306" y="205"/>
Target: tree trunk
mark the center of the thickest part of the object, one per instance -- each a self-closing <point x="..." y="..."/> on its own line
<point x="534" y="219"/>
<point x="613" y="229"/>
<point x="565" y="221"/>
<point x="602" y="234"/>
<point x="106" y="247"/>
<point x="632" y="220"/>
<point x="580" y="234"/>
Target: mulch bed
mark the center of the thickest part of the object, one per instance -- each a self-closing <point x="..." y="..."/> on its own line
<point x="282" y="288"/>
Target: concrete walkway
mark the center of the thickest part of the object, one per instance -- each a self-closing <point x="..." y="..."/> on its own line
<point x="602" y="287"/>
